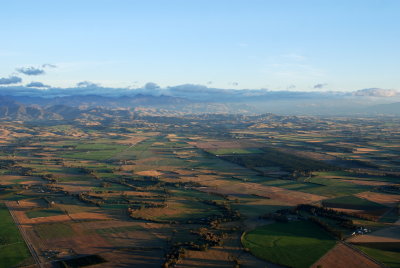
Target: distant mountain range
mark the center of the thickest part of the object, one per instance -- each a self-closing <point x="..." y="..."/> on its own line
<point x="69" y="104"/>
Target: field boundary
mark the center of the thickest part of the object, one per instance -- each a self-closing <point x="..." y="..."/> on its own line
<point x="24" y="236"/>
<point x="356" y="250"/>
<point x="362" y="253"/>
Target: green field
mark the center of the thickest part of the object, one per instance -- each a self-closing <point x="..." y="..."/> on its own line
<point x="95" y="151"/>
<point x="13" y="250"/>
<point x="391" y="216"/>
<point x="236" y="151"/>
<point x="44" y="213"/>
<point x="386" y="253"/>
<point x="294" y="244"/>
<point x="332" y="187"/>
<point x="352" y="202"/>
<point x="53" y="230"/>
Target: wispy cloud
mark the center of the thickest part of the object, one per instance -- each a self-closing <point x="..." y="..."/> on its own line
<point x="10" y="80"/>
<point x="320" y="86"/>
<point x="48" y="65"/>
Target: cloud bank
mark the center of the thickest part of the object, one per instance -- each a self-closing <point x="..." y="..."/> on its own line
<point x="193" y="92"/>
<point x="88" y="84"/>
<point x="37" y="84"/>
<point x="377" y="92"/>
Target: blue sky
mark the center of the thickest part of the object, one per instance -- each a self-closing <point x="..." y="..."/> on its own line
<point x="279" y="45"/>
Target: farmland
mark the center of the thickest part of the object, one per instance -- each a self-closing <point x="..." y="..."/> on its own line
<point x="13" y="250"/>
<point x="183" y="191"/>
<point x="295" y="244"/>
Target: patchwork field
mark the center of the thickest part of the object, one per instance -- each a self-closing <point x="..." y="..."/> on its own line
<point x="185" y="192"/>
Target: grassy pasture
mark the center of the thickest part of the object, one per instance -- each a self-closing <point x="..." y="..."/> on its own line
<point x="13" y="250"/>
<point x="193" y="194"/>
<point x="332" y="188"/>
<point x="95" y="151"/>
<point x="386" y="253"/>
<point x="289" y="184"/>
<point x="236" y="151"/>
<point x="294" y="244"/>
<point x="253" y="206"/>
<point x="353" y="176"/>
<point x="53" y="230"/>
<point x="391" y="216"/>
<point x="352" y="202"/>
<point x="13" y="196"/>
<point x="44" y="213"/>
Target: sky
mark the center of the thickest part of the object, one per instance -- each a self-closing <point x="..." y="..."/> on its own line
<point x="248" y="44"/>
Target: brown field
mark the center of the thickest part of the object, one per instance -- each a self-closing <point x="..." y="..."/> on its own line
<point x="389" y="200"/>
<point x="311" y="155"/>
<point x="365" y="150"/>
<point x="132" y="257"/>
<point x="153" y="173"/>
<point x="12" y="179"/>
<point x="344" y="256"/>
<point x="32" y="181"/>
<point x="174" y="209"/>
<point x="76" y="187"/>
<point x="214" y="257"/>
<point x="116" y="248"/>
<point x="370" y="183"/>
<point x="127" y="167"/>
<point x="374" y="214"/>
<point x="83" y="241"/>
<point x="230" y="188"/>
<point x="23" y="206"/>
<point x="29" y="204"/>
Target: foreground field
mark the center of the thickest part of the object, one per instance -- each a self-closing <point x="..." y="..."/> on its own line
<point x="296" y="244"/>
<point x="13" y="250"/>
<point x="344" y="256"/>
<point x="386" y="253"/>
